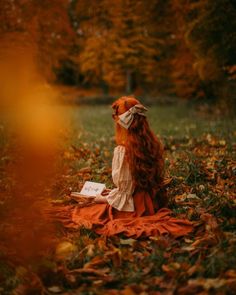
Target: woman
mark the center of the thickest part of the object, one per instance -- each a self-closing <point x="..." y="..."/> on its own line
<point x="134" y="206"/>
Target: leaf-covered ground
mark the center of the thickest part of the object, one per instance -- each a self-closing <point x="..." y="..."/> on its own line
<point x="200" y="168"/>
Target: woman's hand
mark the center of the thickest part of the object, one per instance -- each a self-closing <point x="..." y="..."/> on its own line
<point x="106" y="192"/>
<point x="100" y="199"/>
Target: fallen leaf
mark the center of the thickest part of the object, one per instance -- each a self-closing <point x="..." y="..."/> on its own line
<point x="129" y="242"/>
<point x="65" y="249"/>
<point x="85" y="170"/>
<point x="55" y="289"/>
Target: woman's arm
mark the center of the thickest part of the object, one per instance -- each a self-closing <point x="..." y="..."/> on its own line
<point x="121" y="197"/>
<point x="100" y="199"/>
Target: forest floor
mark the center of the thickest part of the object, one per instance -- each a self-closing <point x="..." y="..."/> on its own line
<point x="200" y="168"/>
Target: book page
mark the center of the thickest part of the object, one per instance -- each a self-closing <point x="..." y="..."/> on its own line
<point x="89" y="190"/>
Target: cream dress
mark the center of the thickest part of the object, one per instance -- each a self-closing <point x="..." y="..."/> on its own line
<point x="121" y="197"/>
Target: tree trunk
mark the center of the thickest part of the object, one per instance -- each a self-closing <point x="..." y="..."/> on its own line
<point x="104" y="86"/>
<point x="72" y="15"/>
<point x="128" y="81"/>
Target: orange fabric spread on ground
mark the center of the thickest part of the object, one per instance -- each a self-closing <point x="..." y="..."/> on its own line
<point x="106" y="220"/>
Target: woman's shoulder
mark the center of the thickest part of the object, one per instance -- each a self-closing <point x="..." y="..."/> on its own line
<point x="119" y="151"/>
<point x="119" y="148"/>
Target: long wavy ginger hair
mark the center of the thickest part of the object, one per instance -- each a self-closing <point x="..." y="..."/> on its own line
<point x="144" y="151"/>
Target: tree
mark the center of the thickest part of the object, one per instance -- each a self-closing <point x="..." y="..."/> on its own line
<point x="43" y="25"/>
<point x="184" y="76"/>
<point x="120" y="46"/>
<point x="208" y="30"/>
<point x="212" y="38"/>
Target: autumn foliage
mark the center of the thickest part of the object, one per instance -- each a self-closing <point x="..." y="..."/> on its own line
<point x="40" y="256"/>
<point x="185" y="48"/>
<point x="156" y="50"/>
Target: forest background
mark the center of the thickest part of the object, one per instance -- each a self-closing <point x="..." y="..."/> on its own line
<point x="149" y="48"/>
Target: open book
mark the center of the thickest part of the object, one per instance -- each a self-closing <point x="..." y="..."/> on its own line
<point x="89" y="190"/>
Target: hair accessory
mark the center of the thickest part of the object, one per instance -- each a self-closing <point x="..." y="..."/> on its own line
<point x="126" y="119"/>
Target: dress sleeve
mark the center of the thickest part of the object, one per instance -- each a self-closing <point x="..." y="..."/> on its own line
<point x="121" y="197"/>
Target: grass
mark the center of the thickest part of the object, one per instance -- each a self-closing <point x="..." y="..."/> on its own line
<point x="94" y="123"/>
